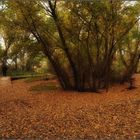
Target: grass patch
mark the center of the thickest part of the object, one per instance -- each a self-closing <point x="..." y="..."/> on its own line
<point x="40" y="78"/>
<point x="45" y="87"/>
<point x="33" y="79"/>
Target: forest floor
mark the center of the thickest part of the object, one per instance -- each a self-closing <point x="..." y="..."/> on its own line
<point x="56" y="114"/>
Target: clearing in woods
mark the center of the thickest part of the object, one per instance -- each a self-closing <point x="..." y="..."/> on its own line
<point x="57" y="114"/>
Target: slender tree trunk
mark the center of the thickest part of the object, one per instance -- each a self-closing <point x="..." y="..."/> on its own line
<point x="65" y="47"/>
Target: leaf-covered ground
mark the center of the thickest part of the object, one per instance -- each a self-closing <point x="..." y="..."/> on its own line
<point x="55" y="114"/>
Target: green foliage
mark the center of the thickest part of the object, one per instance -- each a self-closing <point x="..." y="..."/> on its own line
<point x="87" y="48"/>
<point x="45" y="87"/>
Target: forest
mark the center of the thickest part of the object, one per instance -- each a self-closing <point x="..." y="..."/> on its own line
<point x="89" y="46"/>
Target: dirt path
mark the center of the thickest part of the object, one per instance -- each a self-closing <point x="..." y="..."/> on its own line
<point x="4" y="81"/>
<point x="62" y="115"/>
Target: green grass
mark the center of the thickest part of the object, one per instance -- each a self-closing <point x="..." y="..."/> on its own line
<point x="45" y="87"/>
<point x="33" y="79"/>
<point x="21" y="73"/>
<point x="40" y="78"/>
